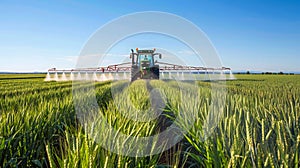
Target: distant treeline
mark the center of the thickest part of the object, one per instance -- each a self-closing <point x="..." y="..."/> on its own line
<point x="275" y="73"/>
<point x="266" y="73"/>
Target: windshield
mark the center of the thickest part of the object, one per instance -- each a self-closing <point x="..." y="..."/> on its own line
<point x="145" y="58"/>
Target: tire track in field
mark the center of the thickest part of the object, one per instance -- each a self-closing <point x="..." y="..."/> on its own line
<point x="168" y="117"/>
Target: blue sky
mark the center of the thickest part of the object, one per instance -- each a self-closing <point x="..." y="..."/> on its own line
<point x="248" y="35"/>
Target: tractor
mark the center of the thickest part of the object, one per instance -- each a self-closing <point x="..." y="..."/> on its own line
<point x="143" y="64"/>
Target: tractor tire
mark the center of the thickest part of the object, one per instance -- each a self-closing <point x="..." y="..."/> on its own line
<point x="135" y="73"/>
<point x="155" y="72"/>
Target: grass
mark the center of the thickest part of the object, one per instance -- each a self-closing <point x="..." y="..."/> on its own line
<point x="259" y="125"/>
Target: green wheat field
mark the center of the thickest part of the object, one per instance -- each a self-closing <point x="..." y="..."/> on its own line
<point x="260" y="126"/>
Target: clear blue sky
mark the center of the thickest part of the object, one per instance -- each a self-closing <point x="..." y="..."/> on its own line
<point x="249" y="35"/>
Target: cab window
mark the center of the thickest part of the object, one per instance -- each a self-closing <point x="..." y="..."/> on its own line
<point x="145" y="57"/>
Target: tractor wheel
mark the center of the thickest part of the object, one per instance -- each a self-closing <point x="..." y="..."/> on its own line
<point x="155" y="72"/>
<point x="135" y="74"/>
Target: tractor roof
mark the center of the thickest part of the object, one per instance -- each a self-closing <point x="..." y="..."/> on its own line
<point x="145" y="51"/>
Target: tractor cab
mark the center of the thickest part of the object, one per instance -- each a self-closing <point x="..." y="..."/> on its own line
<point x="145" y="60"/>
<point x="143" y="64"/>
